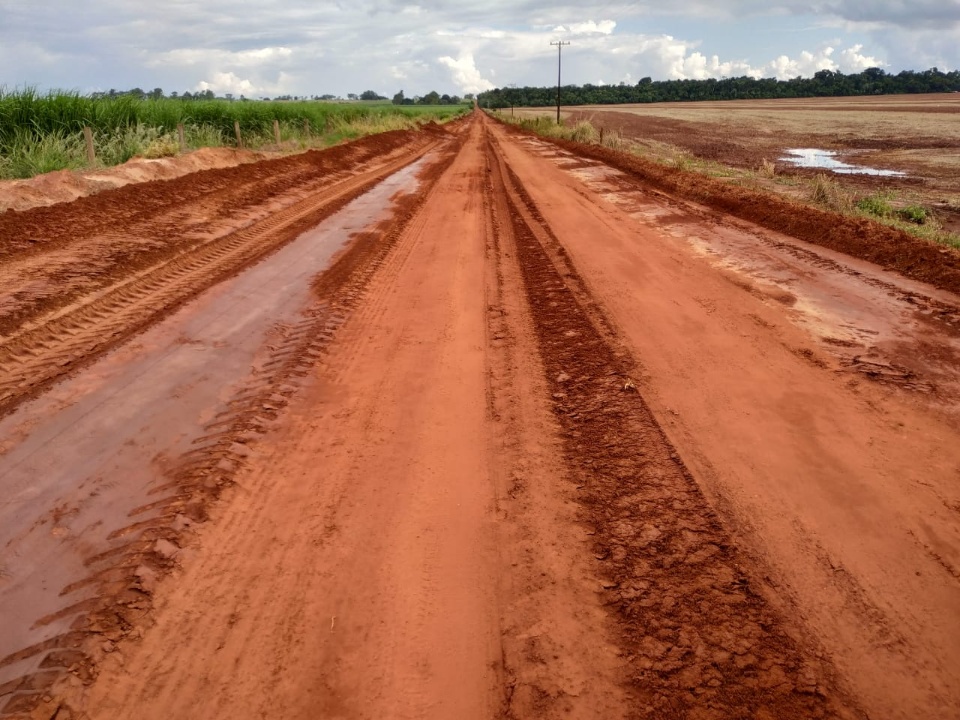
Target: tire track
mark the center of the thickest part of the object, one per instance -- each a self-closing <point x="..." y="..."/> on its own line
<point x="34" y="358"/>
<point x="700" y="640"/>
<point x="122" y="580"/>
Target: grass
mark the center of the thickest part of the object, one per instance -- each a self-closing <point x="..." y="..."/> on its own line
<point x="767" y="169"/>
<point x="882" y="207"/>
<point x="823" y="190"/>
<point x="40" y="133"/>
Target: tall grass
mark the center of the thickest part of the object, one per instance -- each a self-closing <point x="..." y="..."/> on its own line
<point x="42" y="132"/>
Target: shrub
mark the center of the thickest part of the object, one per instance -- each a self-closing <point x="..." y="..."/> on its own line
<point x="877" y="205"/>
<point x="914" y="214"/>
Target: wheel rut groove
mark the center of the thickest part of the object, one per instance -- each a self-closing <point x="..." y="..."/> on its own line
<point x="37" y="356"/>
<point x="122" y="579"/>
<point x="699" y="639"/>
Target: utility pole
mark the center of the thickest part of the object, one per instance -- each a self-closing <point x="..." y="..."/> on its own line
<point x="559" y="44"/>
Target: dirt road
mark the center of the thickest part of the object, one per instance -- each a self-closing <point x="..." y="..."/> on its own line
<point x="462" y="424"/>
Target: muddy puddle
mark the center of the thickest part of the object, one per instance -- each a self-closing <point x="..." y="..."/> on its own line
<point x="76" y="461"/>
<point x="827" y="160"/>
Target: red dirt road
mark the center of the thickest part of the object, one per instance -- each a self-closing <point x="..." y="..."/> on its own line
<point x="460" y="424"/>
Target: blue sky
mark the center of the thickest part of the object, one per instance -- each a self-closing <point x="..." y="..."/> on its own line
<point x="306" y="47"/>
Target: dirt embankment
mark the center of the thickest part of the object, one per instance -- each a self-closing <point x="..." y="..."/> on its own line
<point x="66" y="185"/>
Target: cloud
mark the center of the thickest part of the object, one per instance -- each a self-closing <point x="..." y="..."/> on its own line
<point x="307" y="47"/>
<point x="223" y="83"/>
<point x="465" y="74"/>
<point x="604" y="27"/>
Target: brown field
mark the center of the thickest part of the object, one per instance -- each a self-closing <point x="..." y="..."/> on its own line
<point x="916" y="134"/>
<point x="466" y="423"/>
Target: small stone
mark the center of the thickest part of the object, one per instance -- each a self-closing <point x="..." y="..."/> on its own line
<point x="147" y="578"/>
<point x="240" y="450"/>
<point x="108" y="647"/>
<point x="165" y="549"/>
<point x="562" y="377"/>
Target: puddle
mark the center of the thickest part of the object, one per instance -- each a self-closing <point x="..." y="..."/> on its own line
<point x="827" y="159"/>
<point x="106" y="437"/>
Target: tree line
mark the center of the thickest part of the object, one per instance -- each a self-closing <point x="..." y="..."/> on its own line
<point x="431" y="98"/>
<point x="825" y="83"/>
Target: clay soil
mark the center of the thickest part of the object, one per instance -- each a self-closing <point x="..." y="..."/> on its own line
<point x="914" y="134"/>
<point x="461" y="423"/>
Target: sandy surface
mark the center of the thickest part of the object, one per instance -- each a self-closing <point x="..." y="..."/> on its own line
<point x="461" y="423"/>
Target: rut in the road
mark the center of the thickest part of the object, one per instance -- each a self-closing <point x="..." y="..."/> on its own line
<point x="123" y="578"/>
<point x="34" y="357"/>
<point x="700" y="642"/>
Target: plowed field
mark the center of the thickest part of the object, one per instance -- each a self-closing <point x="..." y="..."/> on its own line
<point x="461" y="423"/>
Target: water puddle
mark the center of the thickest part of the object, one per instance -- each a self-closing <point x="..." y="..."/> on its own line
<point x="98" y="442"/>
<point x="827" y="159"/>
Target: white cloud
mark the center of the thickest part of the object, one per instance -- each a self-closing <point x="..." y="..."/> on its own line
<point x="223" y="83"/>
<point x="604" y="27"/>
<point x="851" y="60"/>
<point x="256" y="57"/>
<point x="465" y="74"/>
<point x="305" y="47"/>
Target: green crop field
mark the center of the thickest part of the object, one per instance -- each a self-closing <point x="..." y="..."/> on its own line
<point x="44" y="132"/>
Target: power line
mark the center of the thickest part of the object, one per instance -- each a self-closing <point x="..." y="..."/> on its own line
<point x="559" y="44"/>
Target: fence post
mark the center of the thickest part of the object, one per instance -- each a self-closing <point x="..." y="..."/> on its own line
<point x="306" y="128"/>
<point x="601" y="135"/>
<point x="182" y="136"/>
<point x="276" y="132"/>
<point x="88" y="137"/>
<point x="236" y="130"/>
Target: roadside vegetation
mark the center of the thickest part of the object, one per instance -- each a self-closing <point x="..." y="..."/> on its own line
<point x="822" y="190"/>
<point x="44" y="132"/>
<point x="883" y="206"/>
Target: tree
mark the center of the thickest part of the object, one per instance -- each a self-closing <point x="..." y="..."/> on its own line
<point x="155" y="94"/>
<point x="351" y="96"/>
<point x="398" y="98"/>
<point x="431" y="98"/>
<point x="371" y="95"/>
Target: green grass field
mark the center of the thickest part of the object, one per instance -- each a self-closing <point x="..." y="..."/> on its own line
<point x="44" y="132"/>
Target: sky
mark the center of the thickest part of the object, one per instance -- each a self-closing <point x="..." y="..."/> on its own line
<point x="313" y="47"/>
